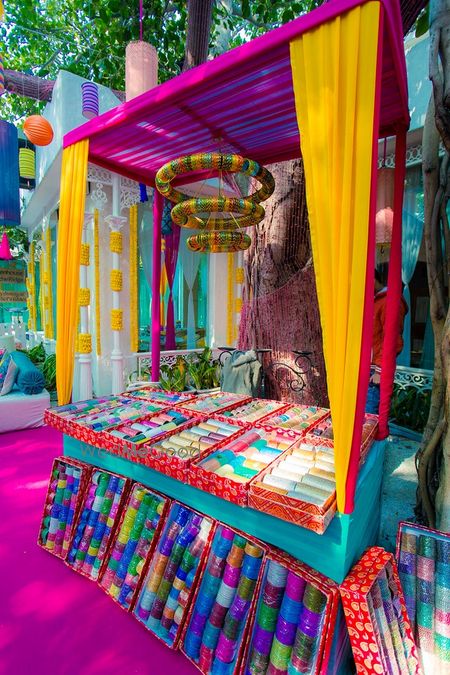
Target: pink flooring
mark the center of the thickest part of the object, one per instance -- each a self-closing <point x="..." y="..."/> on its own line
<point x="51" y="619"/>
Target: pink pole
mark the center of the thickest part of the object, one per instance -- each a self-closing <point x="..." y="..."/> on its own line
<point x="394" y="292"/>
<point x="156" y="279"/>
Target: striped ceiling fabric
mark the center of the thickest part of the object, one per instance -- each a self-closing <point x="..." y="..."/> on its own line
<point x="240" y="102"/>
<point x="410" y="10"/>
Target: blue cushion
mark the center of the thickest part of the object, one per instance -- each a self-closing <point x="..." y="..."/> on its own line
<point x="8" y="371"/>
<point x="29" y="380"/>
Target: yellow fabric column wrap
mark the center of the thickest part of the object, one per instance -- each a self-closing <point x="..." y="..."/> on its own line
<point x="334" y="78"/>
<point x="71" y="216"/>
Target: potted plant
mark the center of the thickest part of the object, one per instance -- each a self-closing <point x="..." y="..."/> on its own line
<point x="204" y="374"/>
<point x="174" y="378"/>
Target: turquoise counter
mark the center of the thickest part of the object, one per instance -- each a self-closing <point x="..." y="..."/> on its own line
<point x="332" y="553"/>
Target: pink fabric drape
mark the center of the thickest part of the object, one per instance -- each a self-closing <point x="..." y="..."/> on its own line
<point x="170" y="260"/>
<point x="394" y="292"/>
<point x="158" y="202"/>
<point x="367" y="328"/>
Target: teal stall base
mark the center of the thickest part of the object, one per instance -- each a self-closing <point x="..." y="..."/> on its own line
<point x="332" y="553"/>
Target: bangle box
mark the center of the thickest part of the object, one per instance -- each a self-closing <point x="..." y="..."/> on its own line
<point x="380" y="632"/>
<point x="172" y="573"/>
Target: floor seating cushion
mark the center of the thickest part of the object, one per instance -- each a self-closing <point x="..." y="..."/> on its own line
<point x="22" y="411"/>
<point x="29" y="379"/>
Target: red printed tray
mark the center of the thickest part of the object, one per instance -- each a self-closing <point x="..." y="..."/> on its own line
<point x="272" y="421"/>
<point x="185" y="396"/>
<point x="331" y="591"/>
<point x="302" y="513"/>
<point x="279" y="408"/>
<point x="238" y="400"/>
<point x="243" y="638"/>
<point x="369" y="632"/>
<point x="225" y="487"/>
<point x="74" y="506"/>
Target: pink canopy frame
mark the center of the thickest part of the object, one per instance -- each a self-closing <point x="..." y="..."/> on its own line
<point x="243" y="102"/>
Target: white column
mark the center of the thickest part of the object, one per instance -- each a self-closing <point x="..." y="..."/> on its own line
<point x="116" y="222"/>
<point x="217" y="299"/>
<point x="85" y="360"/>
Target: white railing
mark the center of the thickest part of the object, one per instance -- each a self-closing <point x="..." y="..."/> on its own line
<point x="417" y="378"/>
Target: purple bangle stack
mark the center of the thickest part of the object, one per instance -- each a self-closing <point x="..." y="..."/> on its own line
<point x="287" y="626"/>
<point x="223" y="602"/>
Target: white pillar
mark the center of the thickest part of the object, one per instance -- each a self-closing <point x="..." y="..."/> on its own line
<point x="217" y="299"/>
<point x="85" y="360"/>
<point x="116" y="222"/>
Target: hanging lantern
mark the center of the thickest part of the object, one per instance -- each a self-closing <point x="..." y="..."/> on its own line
<point x="27" y="163"/>
<point x="2" y="76"/>
<point x="89" y="95"/>
<point x="385" y="206"/>
<point x="141" y="68"/>
<point x="5" y="251"/>
<point x="38" y="130"/>
<point x="9" y="172"/>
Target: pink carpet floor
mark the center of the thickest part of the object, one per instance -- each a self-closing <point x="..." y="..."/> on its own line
<point x="51" y="619"/>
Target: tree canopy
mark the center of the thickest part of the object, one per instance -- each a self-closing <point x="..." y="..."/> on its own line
<point x="89" y="38"/>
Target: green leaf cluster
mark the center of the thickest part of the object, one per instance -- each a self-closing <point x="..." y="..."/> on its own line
<point x="89" y="38"/>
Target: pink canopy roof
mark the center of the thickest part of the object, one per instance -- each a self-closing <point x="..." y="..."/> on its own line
<point x="242" y="102"/>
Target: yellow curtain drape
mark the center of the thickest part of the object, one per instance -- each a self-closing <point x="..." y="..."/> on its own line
<point x="71" y="216"/>
<point x="334" y="76"/>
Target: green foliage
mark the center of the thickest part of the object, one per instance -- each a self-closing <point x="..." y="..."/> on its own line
<point x="37" y="355"/>
<point x="203" y="373"/>
<point x="18" y="238"/>
<point x="409" y="408"/>
<point x="89" y="38"/>
<point x="423" y="22"/>
<point x="49" y="371"/>
<point x="174" y="378"/>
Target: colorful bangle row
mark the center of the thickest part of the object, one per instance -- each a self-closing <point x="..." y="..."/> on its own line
<point x="60" y="508"/>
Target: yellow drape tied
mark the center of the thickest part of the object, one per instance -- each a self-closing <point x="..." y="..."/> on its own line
<point x="71" y="217"/>
<point x="334" y="77"/>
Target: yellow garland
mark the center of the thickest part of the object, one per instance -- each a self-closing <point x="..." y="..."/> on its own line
<point x="134" y="328"/>
<point x="238" y="305"/>
<point x="84" y="297"/>
<point x="32" y="289"/>
<point x="84" y="343"/>
<point x="230" y="308"/>
<point x="41" y="288"/>
<point x="50" y="333"/>
<point x="97" y="284"/>
<point x="85" y="254"/>
<point x="115" y="242"/>
<point x="116" y="319"/>
<point x="115" y="280"/>
<point x="239" y="275"/>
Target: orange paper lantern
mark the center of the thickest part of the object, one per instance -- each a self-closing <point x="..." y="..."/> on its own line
<point x="38" y="130"/>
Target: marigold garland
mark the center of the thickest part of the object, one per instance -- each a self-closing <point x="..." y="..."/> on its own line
<point x="238" y="305"/>
<point x="115" y="242"/>
<point x="84" y="343"/>
<point x="230" y="298"/>
<point x="116" y="319"/>
<point x="97" y="285"/>
<point x="31" y="282"/>
<point x="134" y="328"/>
<point x="85" y="254"/>
<point x="41" y="289"/>
<point x="50" y="333"/>
<point x="84" y="297"/>
<point x="239" y="275"/>
<point x="115" y="280"/>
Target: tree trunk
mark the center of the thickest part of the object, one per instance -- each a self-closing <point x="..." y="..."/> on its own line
<point x="433" y="458"/>
<point x="198" y="32"/>
<point x="281" y="308"/>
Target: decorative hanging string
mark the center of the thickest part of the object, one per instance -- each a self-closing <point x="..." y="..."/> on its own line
<point x="230" y="298"/>
<point x="134" y="324"/>
<point x="32" y="288"/>
<point x="42" y="288"/>
<point x="98" y="338"/>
